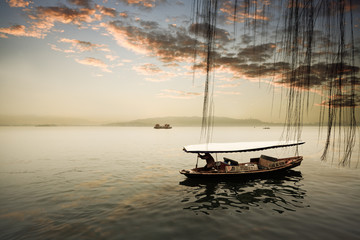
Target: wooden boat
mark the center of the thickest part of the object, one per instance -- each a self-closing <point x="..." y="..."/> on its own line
<point x="263" y="166"/>
<point x="166" y="126"/>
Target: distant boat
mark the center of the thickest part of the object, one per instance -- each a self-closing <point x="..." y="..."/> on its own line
<point x="256" y="168"/>
<point x="166" y="126"/>
<point x="266" y="127"/>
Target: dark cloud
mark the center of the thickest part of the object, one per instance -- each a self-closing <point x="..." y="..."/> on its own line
<point x="258" y="53"/>
<point x="246" y="39"/>
<point x="164" y="44"/>
<point x="81" y="3"/>
<point x="345" y="100"/>
<point x="144" y="4"/>
<point x="321" y="74"/>
<point x="256" y="70"/>
<point x="107" y="11"/>
<point x="149" y="25"/>
<point x="200" y="29"/>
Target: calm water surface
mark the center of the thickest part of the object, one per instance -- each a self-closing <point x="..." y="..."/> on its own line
<point x="123" y="183"/>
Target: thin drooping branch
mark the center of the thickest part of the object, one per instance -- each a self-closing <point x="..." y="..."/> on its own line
<point x="206" y="18"/>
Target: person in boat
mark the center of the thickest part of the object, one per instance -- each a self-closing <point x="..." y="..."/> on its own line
<point x="210" y="162"/>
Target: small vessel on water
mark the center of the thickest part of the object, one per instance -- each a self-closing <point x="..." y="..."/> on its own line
<point x="262" y="166"/>
<point x="166" y="126"/>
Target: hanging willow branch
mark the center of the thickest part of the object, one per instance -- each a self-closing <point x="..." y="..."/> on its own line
<point x="205" y="26"/>
<point x="317" y="51"/>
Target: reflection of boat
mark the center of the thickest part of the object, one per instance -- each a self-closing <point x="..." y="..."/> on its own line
<point x="256" y="168"/>
<point x="166" y="126"/>
<point x="280" y="194"/>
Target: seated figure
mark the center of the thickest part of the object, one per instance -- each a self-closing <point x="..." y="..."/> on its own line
<point x="210" y="162"/>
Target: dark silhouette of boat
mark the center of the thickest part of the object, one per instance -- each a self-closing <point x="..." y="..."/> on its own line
<point x="263" y="166"/>
<point x="166" y="126"/>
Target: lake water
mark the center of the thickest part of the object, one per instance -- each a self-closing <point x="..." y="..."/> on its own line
<point x="124" y="183"/>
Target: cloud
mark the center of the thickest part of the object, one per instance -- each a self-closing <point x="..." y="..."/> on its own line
<point x="143" y="4"/>
<point x="157" y="74"/>
<point x="229" y="85"/>
<point x="111" y="57"/>
<point x="18" y="3"/>
<point x="201" y="29"/>
<point x="3" y="35"/>
<point x="123" y="14"/>
<point x="149" y="25"/>
<point x="94" y="62"/>
<point x="166" y="45"/>
<point x="45" y="17"/>
<point x="84" y="45"/>
<point x="148" y="69"/>
<point x="344" y="100"/>
<point x="321" y="74"/>
<point x="55" y="48"/>
<point x="176" y="94"/>
<point x="82" y="3"/>
<point x="21" y="31"/>
<point x="258" y="53"/>
<point x="244" y="11"/>
<point x="246" y="39"/>
<point x="111" y="12"/>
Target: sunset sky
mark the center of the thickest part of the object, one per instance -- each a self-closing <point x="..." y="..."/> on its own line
<point x="118" y="60"/>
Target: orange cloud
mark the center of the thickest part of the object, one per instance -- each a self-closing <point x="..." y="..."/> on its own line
<point x="64" y="15"/>
<point x="107" y="11"/>
<point x="94" y="62"/>
<point x="229" y="85"/>
<point x="21" y="31"/>
<point x="18" y="3"/>
<point x="83" y="45"/>
<point x="148" y="69"/>
<point x="157" y="75"/>
<point x="169" y="93"/>
<point x="163" y="44"/>
<point x="241" y="14"/>
<point x="55" y="48"/>
<point x="124" y="14"/>
<point x="140" y="3"/>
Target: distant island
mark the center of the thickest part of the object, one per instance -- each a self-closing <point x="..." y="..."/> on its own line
<point x="191" y="121"/>
<point x="43" y="121"/>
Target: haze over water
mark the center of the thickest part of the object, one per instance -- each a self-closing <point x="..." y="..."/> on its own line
<point x="124" y="183"/>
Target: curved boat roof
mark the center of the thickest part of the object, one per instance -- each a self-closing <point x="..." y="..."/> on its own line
<point x="238" y="146"/>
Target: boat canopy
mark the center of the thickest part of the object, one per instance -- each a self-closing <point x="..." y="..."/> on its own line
<point x="238" y="146"/>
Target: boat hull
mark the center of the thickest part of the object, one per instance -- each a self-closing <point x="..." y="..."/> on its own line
<point x="252" y="174"/>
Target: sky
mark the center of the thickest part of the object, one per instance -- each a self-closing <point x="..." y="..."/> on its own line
<point x="119" y="60"/>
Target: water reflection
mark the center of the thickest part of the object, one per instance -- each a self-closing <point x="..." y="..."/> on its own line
<point x="280" y="194"/>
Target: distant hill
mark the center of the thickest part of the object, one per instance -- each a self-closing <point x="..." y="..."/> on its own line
<point x="30" y="120"/>
<point x="190" y="121"/>
<point x="48" y="121"/>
